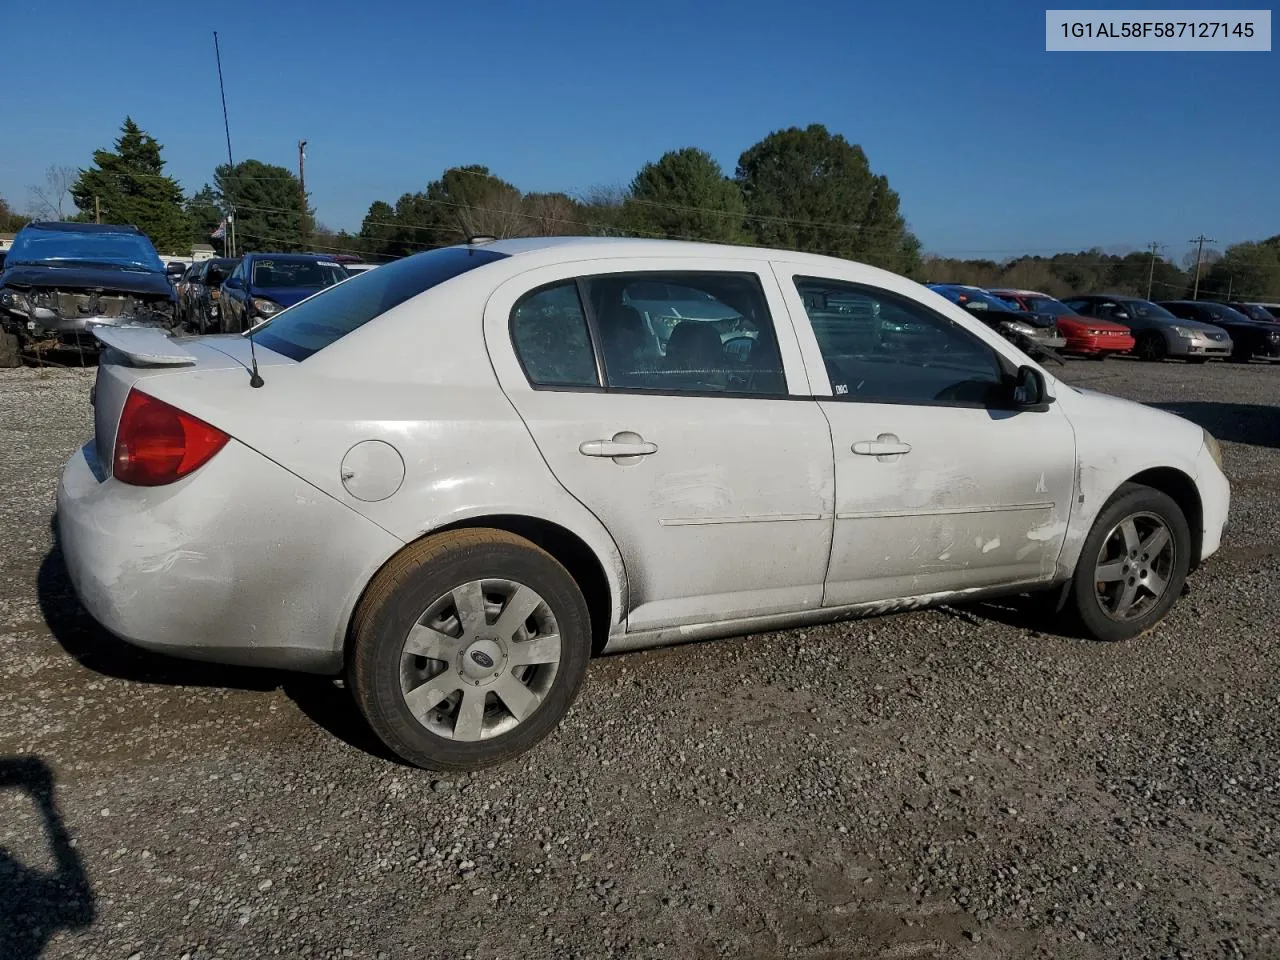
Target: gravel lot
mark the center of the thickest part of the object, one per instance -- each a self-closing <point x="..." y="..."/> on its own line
<point x="945" y="783"/>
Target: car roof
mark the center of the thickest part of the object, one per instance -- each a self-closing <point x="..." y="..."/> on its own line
<point x="1021" y="293"/>
<point x="302" y="257"/>
<point x="62" y="226"/>
<point x="570" y="249"/>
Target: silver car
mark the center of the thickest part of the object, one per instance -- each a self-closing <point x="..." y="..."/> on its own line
<point x="1159" y="334"/>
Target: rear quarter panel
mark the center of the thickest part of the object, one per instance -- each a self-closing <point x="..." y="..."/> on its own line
<point x="417" y="378"/>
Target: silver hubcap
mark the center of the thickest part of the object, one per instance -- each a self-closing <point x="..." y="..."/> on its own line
<point x="1134" y="566"/>
<point x="480" y="659"/>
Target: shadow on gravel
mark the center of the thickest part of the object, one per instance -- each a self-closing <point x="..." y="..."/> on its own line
<point x="1033" y="612"/>
<point x="35" y="904"/>
<point x="324" y="702"/>
<point x="1253" y="423"/>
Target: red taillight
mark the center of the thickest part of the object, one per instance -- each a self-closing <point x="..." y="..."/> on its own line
<point x="158" y="443"/>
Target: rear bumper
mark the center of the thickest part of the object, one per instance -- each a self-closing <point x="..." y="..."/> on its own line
<point x="1100" y="344"/>
<point x="241" y="562"/>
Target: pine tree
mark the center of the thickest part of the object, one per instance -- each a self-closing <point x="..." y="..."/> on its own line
<point x="128" y="186"/>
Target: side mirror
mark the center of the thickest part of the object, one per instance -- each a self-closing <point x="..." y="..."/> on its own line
<point x="1028" y="390"/>
<point x="175" y="269"/>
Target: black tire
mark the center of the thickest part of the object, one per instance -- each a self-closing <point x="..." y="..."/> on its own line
<point x="1130" y="500"/>
<point x="1151" y="345"/>
<point x="1100" y="356"/>
<point x="1197" y="360"/>
<point x="10" y="351"/>
<point x="401" y="593"/>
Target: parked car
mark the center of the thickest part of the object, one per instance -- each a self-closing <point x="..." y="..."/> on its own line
<point x="263" y="284"/>
<point x="1249" y="338"/>
<point x="1159" y="334"/>
<point x="181" y="289"/>
<point x="1035" y="332"/>
<point x="204" y="294"/>
<point x="1256" y="311"/>
<point x="61" y="279"/>
<point x="463" y="473"/>
<point x="1085" y="336"/>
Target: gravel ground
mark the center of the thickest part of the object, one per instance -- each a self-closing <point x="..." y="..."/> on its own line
<point x="943" y="783"/>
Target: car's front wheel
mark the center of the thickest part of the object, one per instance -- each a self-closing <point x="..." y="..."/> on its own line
<point x="1152" y="346"/>
<point x="1133" y="564"/>
<point x="468" y="649"/>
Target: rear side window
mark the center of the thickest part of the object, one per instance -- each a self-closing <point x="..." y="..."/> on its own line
<point x="313" y="324"/>
<point x="549" y="331"/>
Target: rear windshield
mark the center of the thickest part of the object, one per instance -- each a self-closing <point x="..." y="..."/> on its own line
<point x="313" y="324"/>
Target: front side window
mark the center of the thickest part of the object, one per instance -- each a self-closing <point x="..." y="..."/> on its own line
<point x="550" y="336"/>
<point x="880" y="347"/>
<point x="684" y="332"/>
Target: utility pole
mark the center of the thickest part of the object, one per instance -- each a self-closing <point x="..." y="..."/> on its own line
<point x="1199" y="241"/>
<point x="97" y="209"/>
<point x="1151" y="274"/>
<point x="231" y="167"/>
<point x="1231" y="282"/>
<point x="302" y="188"/>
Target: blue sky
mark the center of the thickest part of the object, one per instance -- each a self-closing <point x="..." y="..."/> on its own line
<point x="995" y="146"/>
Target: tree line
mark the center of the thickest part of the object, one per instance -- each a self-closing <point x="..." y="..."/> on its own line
<point x="1244" y="271"/>
<point x="800" y="188"/>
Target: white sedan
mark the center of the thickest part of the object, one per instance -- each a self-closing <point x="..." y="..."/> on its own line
<point x="455" y="477"/>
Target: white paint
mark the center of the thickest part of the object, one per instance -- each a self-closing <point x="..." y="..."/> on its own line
<point x="1047" y="531"/>
<point x="478" y="440"/>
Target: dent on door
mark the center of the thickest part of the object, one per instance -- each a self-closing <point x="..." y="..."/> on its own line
<point x="946" y="499"/>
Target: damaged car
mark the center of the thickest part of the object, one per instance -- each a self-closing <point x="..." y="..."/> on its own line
<point x="62" y="279"/>
<point x="455" y="478"/>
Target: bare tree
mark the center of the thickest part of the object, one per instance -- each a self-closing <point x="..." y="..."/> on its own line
<point x="552" y="215"/>
<point x="47" y="202"/>
<point x="498" y="214"/>
<point x="1207" y="259"/>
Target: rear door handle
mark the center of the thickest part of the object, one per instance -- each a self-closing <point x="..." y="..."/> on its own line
<point x="621" y="445"/>
<point x="885" y="448"/>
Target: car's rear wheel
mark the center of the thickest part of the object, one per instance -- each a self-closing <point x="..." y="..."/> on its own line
<point x="1152" y="346"/>
<point x="1100" y="355"/>
<point x="468" y="649"/>
<point x="1133" y="565"/>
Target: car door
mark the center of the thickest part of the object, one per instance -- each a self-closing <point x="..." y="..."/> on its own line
<point x="707" y="462"/>
<point x="938" y="488"/>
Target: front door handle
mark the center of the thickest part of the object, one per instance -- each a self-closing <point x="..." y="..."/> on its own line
<point x="885" y="448"/>
<point x="621" y="445"/>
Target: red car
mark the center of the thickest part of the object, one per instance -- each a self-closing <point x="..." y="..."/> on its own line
<point x="1086" y="336"/>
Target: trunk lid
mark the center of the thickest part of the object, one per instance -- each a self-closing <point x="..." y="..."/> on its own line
<point x="131" y="356"/>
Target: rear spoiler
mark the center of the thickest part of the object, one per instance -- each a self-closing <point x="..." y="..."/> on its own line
<point x="144" y="346"/>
